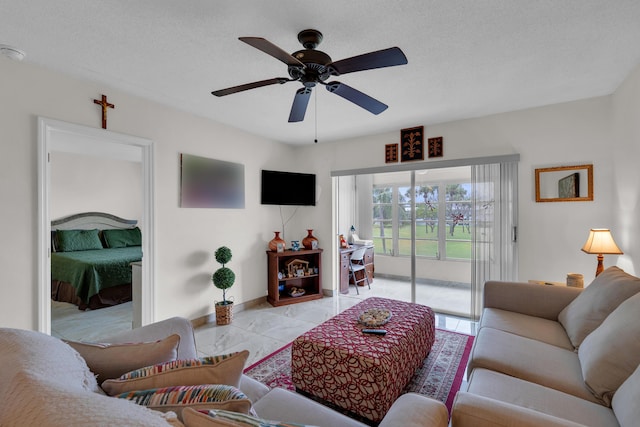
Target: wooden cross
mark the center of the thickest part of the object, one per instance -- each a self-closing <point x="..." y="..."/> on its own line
<point x="104" y="105"/>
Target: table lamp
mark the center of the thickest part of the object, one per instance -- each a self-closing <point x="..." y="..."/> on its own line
<point x="601" y="242"/>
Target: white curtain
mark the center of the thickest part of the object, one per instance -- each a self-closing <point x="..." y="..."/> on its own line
<point x="495" y="227"/>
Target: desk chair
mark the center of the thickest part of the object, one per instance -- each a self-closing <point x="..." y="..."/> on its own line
<point x="356" y="263"/>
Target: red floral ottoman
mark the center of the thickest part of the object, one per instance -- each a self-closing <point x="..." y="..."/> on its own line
<point x="363" y="373"/>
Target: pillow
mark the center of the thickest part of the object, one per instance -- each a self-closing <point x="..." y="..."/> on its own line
<point x="585" y="313"/>
<point x="78" y="240"/>
<point x="625" y="401"/>
<point x="611" y="353"/>
<point x="204" y="396"/>
<point x="193" y="418"/>
<point x="112" y="360"/>
<point x="224" y="369"/>
<point x="122" y="238"/>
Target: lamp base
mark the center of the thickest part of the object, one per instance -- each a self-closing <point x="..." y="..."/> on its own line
<point x="600" y="267"/>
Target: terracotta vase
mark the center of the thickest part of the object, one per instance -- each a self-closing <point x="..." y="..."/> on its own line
<point x="307" y="242"/>
<point x="273" y="243"/>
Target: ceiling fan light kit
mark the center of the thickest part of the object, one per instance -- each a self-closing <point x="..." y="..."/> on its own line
<point x="312" y="67"/>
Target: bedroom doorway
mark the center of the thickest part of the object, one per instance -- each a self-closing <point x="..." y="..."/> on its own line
<point x="58" y="136"/>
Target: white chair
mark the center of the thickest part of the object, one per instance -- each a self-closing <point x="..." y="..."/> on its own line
<point x="356" y="263"/>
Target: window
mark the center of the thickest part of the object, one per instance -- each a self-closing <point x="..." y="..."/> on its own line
<point x="440" y="234"/>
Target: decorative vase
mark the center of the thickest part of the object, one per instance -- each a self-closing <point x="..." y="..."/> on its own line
<point x="308" y="242"/>
<point x="224" y="313"/>
<point x="273" y="244"/>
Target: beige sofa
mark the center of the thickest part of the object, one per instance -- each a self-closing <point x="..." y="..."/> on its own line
<point x="44" y="381"/>
<point x="555" y="356"/>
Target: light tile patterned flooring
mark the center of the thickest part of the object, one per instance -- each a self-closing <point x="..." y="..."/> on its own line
<point x="261" y="329"/>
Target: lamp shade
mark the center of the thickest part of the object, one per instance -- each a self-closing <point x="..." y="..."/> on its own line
<point x="600" y="241"/>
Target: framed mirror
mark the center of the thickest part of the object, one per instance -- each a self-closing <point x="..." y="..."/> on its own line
<point x="564" y="184"/>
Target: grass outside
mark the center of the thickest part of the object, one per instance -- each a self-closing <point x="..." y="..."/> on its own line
<point x="457" y="247"/>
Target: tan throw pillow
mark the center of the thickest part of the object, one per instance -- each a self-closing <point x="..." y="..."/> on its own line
<point x="112" y="360"/>
<point x="611" y="353"/>
<point x="625" y="400"/>
<point x="200" y="397"/>
<point x="224" y="369"/>
<point x="585" y="313"/>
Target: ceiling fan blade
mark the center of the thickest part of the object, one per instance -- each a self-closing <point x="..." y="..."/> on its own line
<point x="271" y="49"/>
<point x="379" y="59"/>
<point x="236" y="89"/>
<point x="300" y="102"/>
<point x="363" y="100"/>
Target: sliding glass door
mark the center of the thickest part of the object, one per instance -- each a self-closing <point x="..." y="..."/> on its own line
<point x="438" y="234"/>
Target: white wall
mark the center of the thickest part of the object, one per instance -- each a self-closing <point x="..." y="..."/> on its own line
<point x="625" y="145"/>
<point x="81" y="183"/>
<point x="550" y="234"/>
<point x="186" y="238"/>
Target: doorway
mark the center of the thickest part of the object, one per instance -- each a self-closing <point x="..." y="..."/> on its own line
<point x="58" y="136"/>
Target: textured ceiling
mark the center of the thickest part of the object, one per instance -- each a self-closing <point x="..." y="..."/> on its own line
<point x="467" y="58"/>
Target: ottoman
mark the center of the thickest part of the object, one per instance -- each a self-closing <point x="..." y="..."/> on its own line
<point x="361" y="373"/>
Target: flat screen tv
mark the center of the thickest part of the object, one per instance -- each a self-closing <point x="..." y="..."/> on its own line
<point x="288" y="188"/>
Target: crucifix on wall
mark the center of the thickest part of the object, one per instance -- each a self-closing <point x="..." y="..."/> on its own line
<point x="103" y="102"/>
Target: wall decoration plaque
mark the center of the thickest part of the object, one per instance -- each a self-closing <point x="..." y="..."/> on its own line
<point x="412" y="144"/>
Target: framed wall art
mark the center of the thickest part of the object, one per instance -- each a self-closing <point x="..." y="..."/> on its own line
<point x="412" y="144"/>
<point x="391" y="153"/>
<point x="564" y="184"/>
<point x="210" y="183"/>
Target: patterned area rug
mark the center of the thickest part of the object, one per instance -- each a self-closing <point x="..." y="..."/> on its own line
<point x="439" y="377"/>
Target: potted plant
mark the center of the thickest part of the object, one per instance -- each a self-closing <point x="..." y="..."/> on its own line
<point x="223" y="278"/>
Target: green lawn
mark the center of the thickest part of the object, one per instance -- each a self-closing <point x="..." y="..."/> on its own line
<point x="457" y="247"/>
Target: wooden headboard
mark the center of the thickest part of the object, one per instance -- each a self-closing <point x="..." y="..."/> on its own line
<point x="92" y="220"/>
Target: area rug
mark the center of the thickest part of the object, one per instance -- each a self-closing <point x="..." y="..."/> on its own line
<point x="439" y="377"/>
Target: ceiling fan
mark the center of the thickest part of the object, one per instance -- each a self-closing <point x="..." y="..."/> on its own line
<point x="311" y="67"/>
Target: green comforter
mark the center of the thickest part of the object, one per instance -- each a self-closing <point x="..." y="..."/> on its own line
<point x="91" y="271"/>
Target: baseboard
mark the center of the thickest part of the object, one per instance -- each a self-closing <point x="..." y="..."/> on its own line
<point x="328" y="292"/>
<point x="237" y="308"/>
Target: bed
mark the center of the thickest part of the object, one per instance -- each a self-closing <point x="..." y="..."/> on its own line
<point x="91" y="258"/>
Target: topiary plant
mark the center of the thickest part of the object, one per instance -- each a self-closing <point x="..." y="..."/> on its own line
<point x="223" y="278"/>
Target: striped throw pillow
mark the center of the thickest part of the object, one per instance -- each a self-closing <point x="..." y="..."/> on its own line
<point x="223" y="369"/>
<point x="200" y="397"/>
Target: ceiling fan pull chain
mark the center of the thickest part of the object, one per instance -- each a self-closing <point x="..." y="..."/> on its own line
<point x="315" y="98"/>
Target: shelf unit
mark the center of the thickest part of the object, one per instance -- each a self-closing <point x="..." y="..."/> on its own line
<point x="311" y="282"/>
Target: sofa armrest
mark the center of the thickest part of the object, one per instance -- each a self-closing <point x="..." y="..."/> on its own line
<point x="412" y="409"/>
<point x="159" y="330"/>
<point x="254" y="389"/>
<point x="472" y="410"/>
<point x="529" y="298"/>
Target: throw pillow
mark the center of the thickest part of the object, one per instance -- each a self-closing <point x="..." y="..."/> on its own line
<point x="224" y="369"/>
<point x="112" y="360"/>
<point x="222" y="418"/>
<point x="585" y="313"/>
<point x="611" y="353"/>
<point x="204" y="396"/>
<point x="122" y="238"/>
<point x="78" y="240"/>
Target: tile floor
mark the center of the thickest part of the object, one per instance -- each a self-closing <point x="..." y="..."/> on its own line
<point x="261" y="329"/>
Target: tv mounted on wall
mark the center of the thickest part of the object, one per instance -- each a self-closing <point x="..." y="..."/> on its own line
<point x="288" y="188"/>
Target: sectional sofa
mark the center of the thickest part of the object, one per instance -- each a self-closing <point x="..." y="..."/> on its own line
<point x="555" y="356"/>
<point x="45" y="381"/>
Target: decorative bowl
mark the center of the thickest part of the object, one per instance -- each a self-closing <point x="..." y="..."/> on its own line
<point x="296" y="292"/>
<point x="374" y="317"/>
